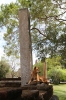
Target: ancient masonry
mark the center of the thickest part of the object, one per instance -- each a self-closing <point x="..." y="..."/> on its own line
<point x="25" y="46"/>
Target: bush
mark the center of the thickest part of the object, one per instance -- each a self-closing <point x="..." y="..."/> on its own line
<point x="4" y="68"/>
<point x="63" y="78"/>
<point x="55" y="74"/>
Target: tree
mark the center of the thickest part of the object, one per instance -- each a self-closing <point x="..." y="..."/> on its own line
<point x="14" y="65"/>
<point x="62" y="48"/>
<point x="4" y="68"/>
<point x="9" y="20"/>
<point x="54" y="62"/>
<point x="47" y="15"/>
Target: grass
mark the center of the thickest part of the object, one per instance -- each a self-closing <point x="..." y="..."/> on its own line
<point x="60" y="91"/>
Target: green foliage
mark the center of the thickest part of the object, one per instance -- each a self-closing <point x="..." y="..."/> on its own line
<point x="63" y="71"/>
<point x="54" y="62"/>
<point x="4" y="68"/>
<point x="62" y="45"/>
<point x="9" y="21"/>
<point x="55" y="74"/>
<point x="48" y="14"/>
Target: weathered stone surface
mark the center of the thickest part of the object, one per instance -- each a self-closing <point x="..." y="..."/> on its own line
<point x="44" y="87"/>
<point x="14" y="94"/>
<point x="45" y="95"/>
<point x="25" y="46"/>
<point x="27" y="92"/>
<point x="10" y="94"/>
<point x="42" y="95"/>
<point x="29" y="87"/>
<point x="3" y="95"/>
<point x="10" y="82"/>
<point x="35" y="82"/>
<point x="49" y="93"/>
<point x="30" y="94"/>
<point x="54" y="97"/>
<point x="45" y="71"/>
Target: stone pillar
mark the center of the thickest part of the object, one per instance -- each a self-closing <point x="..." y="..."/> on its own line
<point x="25" y="46"/>
<point x="45" y="71"/>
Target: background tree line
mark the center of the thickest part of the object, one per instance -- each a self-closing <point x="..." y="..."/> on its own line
<point x="8" y="69"/>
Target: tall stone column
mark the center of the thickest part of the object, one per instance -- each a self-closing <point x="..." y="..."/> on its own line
<point x="45" y="71"/>
<point x="25" y="46"/>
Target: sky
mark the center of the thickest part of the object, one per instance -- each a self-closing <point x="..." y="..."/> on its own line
<point x="6" y="1"/>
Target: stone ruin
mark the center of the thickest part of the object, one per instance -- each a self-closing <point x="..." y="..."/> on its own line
<point x="36" y="90"/>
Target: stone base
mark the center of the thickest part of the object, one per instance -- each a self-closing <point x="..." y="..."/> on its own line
<point x="35" y="91"/>
<point x="10" y="94"/>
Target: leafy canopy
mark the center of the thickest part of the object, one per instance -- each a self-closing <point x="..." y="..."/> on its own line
<point x="48" y="26"/>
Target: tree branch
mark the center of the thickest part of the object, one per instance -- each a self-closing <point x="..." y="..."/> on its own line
<point x="38" y="31"/>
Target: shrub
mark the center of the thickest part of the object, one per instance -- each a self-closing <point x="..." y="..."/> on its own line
<point x="55" y="74"/>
